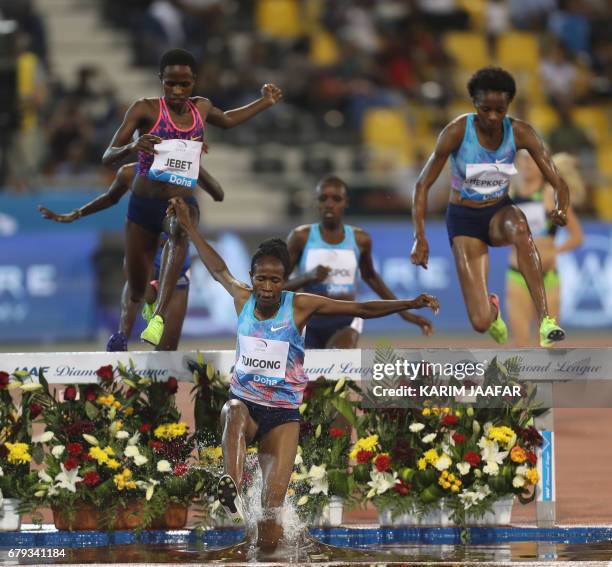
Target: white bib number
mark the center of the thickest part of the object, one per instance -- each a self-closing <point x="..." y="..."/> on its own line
<point x="264" y="358"/>
<point x="343" y="265"/>
<point x="488" y="178"/>
<point x="177" y="162"/>
<point x="536" y="217"/>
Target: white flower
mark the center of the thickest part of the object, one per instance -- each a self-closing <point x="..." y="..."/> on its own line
<point x="67" y="479"/>
<point x="122" y="434"/>
<point x="1" y="499"/>
<point x="491" y="468"/>
<point x="140" y="460"/>
<point x="57" y="451"/>
<point x="52" y="490"/>
<point x="317" y="475"/>
<point x="42" y="475"/>
<point x="1" y="472"/>
<point x="131" y="451"/>
<point x="44" y="437"/>
<point x="31" y="387"/>
<point x="298" y="460"/>
<point x="163" y="466"/>
<point x="522" y="470"/>
<point x="416" y="427"/>
<point x="39" y="493"/>
<point x="429" y="438"/>
<point x="490" y="451"/>
<point x="90" y="439"/>
<point x="518" y="481"/>
<point x="381" y="482"/>
<point x="477" y="473"/>
<point x="134" y="439"/>
<point x="302" y="500"/>
<point x="149" y="487"/>
<point x="443" y="462"/>
<point x="475" y="427"/>
<point x="463" y="468"/>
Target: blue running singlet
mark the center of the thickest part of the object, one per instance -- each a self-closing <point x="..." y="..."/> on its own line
<point x="481" y="174"/>
<point x="269" y="367"/>
<point x="342" y="258"/>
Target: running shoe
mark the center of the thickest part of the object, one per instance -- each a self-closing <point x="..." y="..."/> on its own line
<point x="154" y="331"/>
<point x="498" y="329"/>
<point x="117" y="343"/>
<point x="228" y="495"/>
<point x="147" y="311"/>
<point x="550" y="332"/>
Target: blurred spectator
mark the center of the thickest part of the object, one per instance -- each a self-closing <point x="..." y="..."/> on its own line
<point x="531" y="14"/>
<point x="443" y="15"/>
<point x="27" y="145"/>
<point x="558" y="74"/>
<point x="497" y="21"/>
<point x="568" y="137"/>
<point x="571" y="25"/>
<point x="29" y="22"/>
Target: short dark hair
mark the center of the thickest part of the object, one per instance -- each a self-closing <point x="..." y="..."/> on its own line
<point x="275" y="247"/>
<point x="177" y="57"/>
<point x="492" y="79"/>
<point x="332" y="180"/>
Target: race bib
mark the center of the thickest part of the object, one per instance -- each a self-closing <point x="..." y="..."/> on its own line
<point x="343" y="264"/>
<point x="488" y="178"/>
<point x="176" y="162"/>
<point x="265" y="359"/>
<point x="536" y="217"/>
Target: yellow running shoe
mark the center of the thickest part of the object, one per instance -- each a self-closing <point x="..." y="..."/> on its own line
<point x="147" y="311"/>
<point x="498" y="329"/>
<point x="154" y="331"/>
<point x="550" y="332"/>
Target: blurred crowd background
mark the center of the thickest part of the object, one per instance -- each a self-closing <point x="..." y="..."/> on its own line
<point x="368" y="84"/>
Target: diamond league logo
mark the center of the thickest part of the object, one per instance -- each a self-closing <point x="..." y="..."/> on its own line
<point x="586" y="282"/>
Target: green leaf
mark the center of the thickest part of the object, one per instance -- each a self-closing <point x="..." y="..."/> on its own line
<point x="38" y="453"/>
<point x="91" y="411"/>
<point x="43" y="380"/>
<point x="346" y="409"/>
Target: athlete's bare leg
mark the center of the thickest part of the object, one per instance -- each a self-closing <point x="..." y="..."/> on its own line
<point x="239" y="429"/>
<point x="509" y="226"/>
<point x="277" y="450"/>
<point x="343" y="338"/>
<point x="521" y="313"/>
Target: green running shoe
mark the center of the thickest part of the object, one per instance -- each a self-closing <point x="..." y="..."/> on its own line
<point x="154" y="331"/>
<point x="498" y="329"/>
<point x="550" y="332"/>
<point x="147" y="311"/>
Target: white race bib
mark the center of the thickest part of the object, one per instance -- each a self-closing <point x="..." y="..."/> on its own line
<point x="487" y="178"/>
<point x="343" y="264"/>
<point x="262" y="357"/>
<point x="535" y="214"/>
<point x="177" y="162"/>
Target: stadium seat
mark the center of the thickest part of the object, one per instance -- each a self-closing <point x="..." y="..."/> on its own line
<point x="596" y="120"/>
<point x="542" y="117"/>
<point x="323" y="49"/>
<point x="518" y="51"/>
<point x="603" y="202"/>
<point x="477" y="11"/>
<point x="468" y="49"/>
<point x="387" y="127"/>
<point x="604" y="162"/>
<point x="279" y="19"/>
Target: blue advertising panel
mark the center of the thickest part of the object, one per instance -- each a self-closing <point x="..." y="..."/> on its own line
<point x="47" y="287"/>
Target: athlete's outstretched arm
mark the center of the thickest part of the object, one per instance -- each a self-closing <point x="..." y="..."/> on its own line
<point x="306" y="305"/>
<point x="370" y="276"/>
<point x="270" y="95"/>
<point x="118" y="188"/>
<point x="448" y="140"/>
<point x="210" y="185"/>
<point x="214" y="263"/>
<point x="122" y="145"/>
<point x="296" y="242"/>
<point x="527" y="139"/>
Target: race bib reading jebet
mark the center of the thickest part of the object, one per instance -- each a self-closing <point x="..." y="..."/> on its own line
<point x="176" y="162"/>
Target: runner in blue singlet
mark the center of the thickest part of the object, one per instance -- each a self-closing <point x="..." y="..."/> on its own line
<point x="268" y="381"/>
<point x="480" y="214"/>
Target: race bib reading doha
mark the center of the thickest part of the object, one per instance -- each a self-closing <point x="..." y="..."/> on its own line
<point x="176" y="162"/>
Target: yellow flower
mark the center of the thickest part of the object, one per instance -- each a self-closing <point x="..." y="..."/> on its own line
<point x="109" y="451"/>
<point x="455" y="488"/>
<point x="18" y="453"/>
<point x="170" y="430"/>
<point x="99" y="455"/>
<point x="364" y="444"/>
<point x="106" y="400"/>
<point x="113" y="464"/>
<point x="211" y="454"/>
<point x="290" y="492"/>
<point x="252" y="450"/>
<point x="431" y="456"/>
<point x="518" y="454"/>
<point x="426" y="412"/>
<point x="116" y="404"/>
<point x="446" y="410"/>
<point x="532" y="476"/>
<point x="422" y="464"/>
<point x="503" y="435"/>
<point x="129" y="411"/>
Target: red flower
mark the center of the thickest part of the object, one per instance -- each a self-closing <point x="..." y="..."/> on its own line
<point x="91" y="395"/>
<point x="130" y="392"/>
<point x="144" y="427"/>
<point x="172" y="385"/>
<point x="86" y="457"/>
<point x="363" y="457"/>
<point x="70" y="394"/>
<point x="4" y="380"/>
<point x="180" y="469"/>
<point x="449" y="420"/>
<point x="402" y="488"/>
<point x="156" y="445"/>
<point x="91" y="478"/>
<point x="71" y="463"/>
<point x="35" y="410"/>
<point x="531" y="436"/>
<point x="472" y="458"/>
<point x="382" y="462"/>
<point x="75" y="449"/>
<point x="105" y="373"/>
<point x="531" y="457"/>
<point x="458" y="438"/>
<point x="247" y="477"/>
<point x="336" y="432"/>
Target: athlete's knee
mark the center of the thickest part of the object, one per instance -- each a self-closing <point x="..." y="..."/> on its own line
<point x="235" y="413"/>
<point x="518" y="229"/>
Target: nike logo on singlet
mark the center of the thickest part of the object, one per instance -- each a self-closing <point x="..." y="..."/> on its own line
<point x="277" y="328"/>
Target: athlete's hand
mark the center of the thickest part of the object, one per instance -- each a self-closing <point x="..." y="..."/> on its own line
<point x="420" y="252"/>
<point x="271" y="93"/>
<point x="146" y="144"/>
<point x="425" y="324"/>
<point x="559" y="217"/>
<point x="426" y="300"/>
<point x="179" y="209"/>
<point x="205" y="148"/>
<point x="319" y="273"/>
<point x="50" y="215"/>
